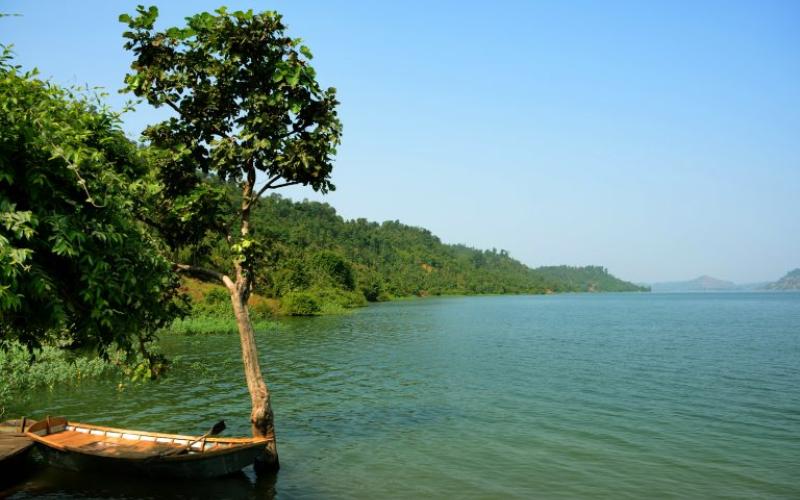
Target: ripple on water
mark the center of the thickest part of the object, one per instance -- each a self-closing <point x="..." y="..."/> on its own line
<point x="623" y="396"/>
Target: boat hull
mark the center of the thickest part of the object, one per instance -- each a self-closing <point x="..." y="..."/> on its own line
<point x="15" y="449"/>
<point x="205" y="467"/>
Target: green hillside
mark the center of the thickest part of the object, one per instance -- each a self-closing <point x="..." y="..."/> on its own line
<point x="586" y="279"/>
<point x="316" y="258"/>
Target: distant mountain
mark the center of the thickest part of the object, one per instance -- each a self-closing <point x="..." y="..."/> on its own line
<point x="701" y="284"/>
<point x="789" y="282"/>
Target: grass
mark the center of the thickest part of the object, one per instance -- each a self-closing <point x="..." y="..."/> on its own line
<point x="212" y="311"/>
<point x="195" y="325"/>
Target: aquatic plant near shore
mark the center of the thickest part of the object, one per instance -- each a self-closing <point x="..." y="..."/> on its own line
<point x="22" y="369"/>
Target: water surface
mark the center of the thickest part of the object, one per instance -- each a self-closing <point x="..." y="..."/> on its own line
<point x="567" y="396"/>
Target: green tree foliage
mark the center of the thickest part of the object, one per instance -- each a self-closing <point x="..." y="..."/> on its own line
<point x="72" y="256"/>
<point x="246" y="101"/>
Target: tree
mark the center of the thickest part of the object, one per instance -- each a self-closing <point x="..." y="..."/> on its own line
<point x="73" y="258"/>
<point x="245" y="101"/>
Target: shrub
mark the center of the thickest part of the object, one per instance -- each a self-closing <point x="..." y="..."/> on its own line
<point x="300" y="304"/>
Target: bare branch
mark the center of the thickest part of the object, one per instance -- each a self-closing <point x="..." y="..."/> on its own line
<point x="201" y="272"/>
<point x="292" y="183"/>
<point x="295" y="129"/>
<point x="266" y="186"/>
<point x="270" y="185"/>
<point x="175" y="107"/>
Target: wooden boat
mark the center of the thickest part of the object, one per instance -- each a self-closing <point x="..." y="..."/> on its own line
<point x="78" y="446"/>
<point x="14" y="444"/>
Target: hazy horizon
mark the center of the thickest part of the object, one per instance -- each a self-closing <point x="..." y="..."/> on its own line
<point x="659" y="141"/>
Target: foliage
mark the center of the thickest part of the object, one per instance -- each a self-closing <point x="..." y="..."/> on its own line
<point x="317" y="301"/>
<point x="72" y="255"/>
<point x="300" y="304"/>
<point x="246" y="100"/>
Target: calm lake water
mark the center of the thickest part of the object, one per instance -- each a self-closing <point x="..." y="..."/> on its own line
<point x="568" y="396"/>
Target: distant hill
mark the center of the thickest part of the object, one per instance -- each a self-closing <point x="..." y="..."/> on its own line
<point x="587" y="279"/>
<point x="319" y="253"/>
<point x="789" y="282"/>
<point x="701" y="284"/>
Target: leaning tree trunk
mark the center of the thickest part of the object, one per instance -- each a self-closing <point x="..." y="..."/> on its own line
<point x="261" y="417"/>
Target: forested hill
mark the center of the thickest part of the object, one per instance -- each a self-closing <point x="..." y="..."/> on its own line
<point x="317" y="249"/>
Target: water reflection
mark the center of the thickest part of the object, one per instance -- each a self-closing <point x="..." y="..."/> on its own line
<point x="40" y="481"/>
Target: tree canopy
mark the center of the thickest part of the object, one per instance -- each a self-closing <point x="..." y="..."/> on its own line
<point x="72" y="255"/>
<point x="246" y="101"/>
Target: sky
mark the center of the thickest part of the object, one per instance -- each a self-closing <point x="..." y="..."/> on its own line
<point x="658" y="139"/>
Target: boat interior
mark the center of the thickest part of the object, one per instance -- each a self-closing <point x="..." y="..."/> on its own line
<point x="123" y="443"/>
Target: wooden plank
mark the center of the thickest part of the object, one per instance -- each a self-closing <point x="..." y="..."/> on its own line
<point x="12" y="444"/>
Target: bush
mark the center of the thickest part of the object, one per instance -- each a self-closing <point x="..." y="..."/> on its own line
<point x="217" y="296"/>
<point x="300" y="304"/>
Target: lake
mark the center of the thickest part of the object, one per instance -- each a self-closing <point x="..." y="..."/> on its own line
<point x="564" y="396"/>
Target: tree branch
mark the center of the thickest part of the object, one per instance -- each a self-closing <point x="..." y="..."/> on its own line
<point x="295" y="129"/>
<point x="175" y="107"/>
<point x="201" y="272"/>
<point x="265" y="187"/>
<point x="292" y="183"/>
<point x="269" y="185"/>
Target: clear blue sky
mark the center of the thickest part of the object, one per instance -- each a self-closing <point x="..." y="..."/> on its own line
<point x="660" y="139"/>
